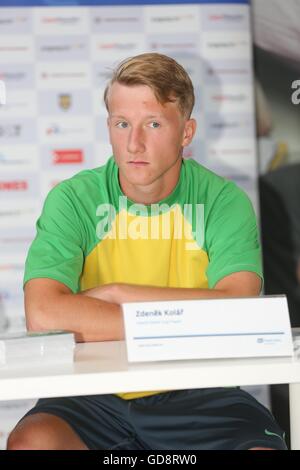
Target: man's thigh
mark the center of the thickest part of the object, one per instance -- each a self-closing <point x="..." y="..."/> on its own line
<point x="100" y="421"/>
<point x="220" y="418"/>
<point x="223" y="418"/>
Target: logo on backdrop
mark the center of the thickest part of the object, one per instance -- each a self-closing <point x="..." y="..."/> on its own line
<point x="17" y="185"/>
<point x="65" y="101"/>
<point x="60" y="20"/>
<point x="10" y="130"/>
<point x="66" y="156"/>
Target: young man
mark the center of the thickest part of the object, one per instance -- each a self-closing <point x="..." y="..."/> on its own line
<point x="112" y="235"/>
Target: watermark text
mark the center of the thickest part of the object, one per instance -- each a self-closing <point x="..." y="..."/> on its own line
<point x="152" y="222"/>
<point x="296" y="94"/>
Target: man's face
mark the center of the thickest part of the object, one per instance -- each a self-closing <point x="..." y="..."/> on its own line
<point x="147" y="139"/>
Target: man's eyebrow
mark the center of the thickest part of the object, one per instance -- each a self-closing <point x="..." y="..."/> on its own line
<point x="155" y="116"/>
<point x="117" y="116"/>
<point x="150" y="116"/>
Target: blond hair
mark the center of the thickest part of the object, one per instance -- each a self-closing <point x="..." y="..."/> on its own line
<point x="168" y="79"/>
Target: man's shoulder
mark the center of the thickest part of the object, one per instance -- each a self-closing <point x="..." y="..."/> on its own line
<point x="208" y="183"/>
<point x="218" y="194"/>
<point x="86" y="183"/>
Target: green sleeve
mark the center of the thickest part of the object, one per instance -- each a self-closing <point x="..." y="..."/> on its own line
<point x="56" y="251"/>
<point x="232" y="236"/>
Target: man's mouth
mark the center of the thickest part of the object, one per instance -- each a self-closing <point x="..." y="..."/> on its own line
<point x="138" y="163"/>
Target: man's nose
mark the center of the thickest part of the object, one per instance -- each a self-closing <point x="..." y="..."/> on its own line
<point x="136" y="141"/>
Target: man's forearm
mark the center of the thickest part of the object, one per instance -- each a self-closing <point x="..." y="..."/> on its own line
<point x="242" y="284"/>
<point x="135" y="293"/>
<point x="96" y="315"/>
<point x="89" y="318"/>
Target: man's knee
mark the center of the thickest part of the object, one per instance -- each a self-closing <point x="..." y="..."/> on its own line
<point x="44" y="432"/>
<point x="28" y="434"/>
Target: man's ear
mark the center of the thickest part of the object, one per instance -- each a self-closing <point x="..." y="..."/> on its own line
<point x="189" y="131"/>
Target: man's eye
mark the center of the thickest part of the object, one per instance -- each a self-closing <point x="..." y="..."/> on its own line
<point x="122" y="125"/>
<point x="154" y="124"/>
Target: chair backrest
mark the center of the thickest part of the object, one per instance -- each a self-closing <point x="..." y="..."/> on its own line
<point x="280" y="227"/>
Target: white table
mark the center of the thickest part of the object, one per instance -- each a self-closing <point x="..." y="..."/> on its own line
<point x="101" y="368"/>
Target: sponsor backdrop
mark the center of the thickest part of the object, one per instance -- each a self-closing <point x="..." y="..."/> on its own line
<point x="55" y="61"/>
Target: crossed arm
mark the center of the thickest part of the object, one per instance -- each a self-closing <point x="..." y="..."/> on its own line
<point x="95" y="314"/>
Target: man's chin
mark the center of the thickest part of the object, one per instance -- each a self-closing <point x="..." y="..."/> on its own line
<point x="140" y="181"/>
<point x="138" y="178"/>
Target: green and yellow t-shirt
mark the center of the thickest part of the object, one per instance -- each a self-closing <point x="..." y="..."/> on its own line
<point x="90" y="234"/>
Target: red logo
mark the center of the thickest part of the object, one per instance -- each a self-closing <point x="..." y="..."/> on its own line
<point x="13" y="185"/>
<point x="67" y="156"/>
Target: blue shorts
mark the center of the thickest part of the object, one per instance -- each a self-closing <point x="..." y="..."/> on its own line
<point x="212" y="419"/>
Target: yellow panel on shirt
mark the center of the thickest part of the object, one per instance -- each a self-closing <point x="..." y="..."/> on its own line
<point x="163" y="261"/>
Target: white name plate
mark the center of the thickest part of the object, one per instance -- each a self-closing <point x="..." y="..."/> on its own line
<point x="214" y="328"/>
